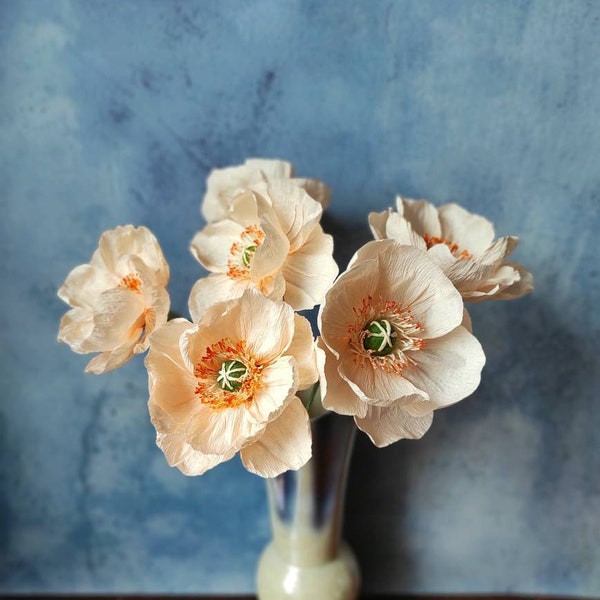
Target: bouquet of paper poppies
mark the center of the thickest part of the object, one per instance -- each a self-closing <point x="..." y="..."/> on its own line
<point x="246" y="374"/>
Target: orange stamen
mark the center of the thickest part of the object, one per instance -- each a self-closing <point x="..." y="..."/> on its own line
<point x="132" y="282"/>
<point x="433" y="240"/>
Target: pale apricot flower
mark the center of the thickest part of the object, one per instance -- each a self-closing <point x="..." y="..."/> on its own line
<point x="223" y="185"/>
<point x="462" y="243"/>
<point x="228" y="384"/>
<point x="118" y="299"/>
<point x="392" y="348"/>
<point x="272" y="243"/>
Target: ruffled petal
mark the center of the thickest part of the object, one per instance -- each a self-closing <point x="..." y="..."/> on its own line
<point x="376" y="386"/>
<point x="84" y="284"/>
<point x="278" y="384"/>
<point x="422" y="216"/>
<point x="336" y="394"/>
<point x="470" y="231"/>
<point x="119" y="243"/>
<point x="448" y="368"/>
<point x="215" y="288"/>
<point x="302" y="349"/>
<point x="285" y="444"/>
<point x="310" y="271"/>
<point x="170" y="438"/>
<point x="388" y="425"/>
<point x="211" y="247"/>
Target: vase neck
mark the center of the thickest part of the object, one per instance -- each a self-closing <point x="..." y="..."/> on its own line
<point x="307" y="505"/>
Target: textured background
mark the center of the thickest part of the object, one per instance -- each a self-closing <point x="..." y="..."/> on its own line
<point x="114" y="112"/>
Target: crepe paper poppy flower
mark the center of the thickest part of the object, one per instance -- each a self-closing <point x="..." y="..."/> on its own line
<point x="228" y="384"/>
<point x="117" y="300"/>
<point x="392" y="348"/>
<point x="272" y="243"/>
<point x="462" y="243"/>
<point x="223" y="185"/>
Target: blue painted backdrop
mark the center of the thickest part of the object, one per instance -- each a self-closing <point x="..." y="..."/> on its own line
<point x="114" y="112"/>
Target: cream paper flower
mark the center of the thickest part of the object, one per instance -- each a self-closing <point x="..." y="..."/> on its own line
<point x="118" y="299"/>
<point x="462" y="243"/>
<point x="392" y="348"/>
<point x="272" y="243"/>
<point x="228" y="384"/>
<point x="223" y="185"/>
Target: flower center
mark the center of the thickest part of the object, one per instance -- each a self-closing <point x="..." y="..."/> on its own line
<point x="231" y="375"/>
<point x="384" y="334"/>
<point x="227" y="375"/>
<point x="379" y="337"/>
<point x="242" y="252"/>
<point x="132" y="282"/>
<point x="433" y="240"/>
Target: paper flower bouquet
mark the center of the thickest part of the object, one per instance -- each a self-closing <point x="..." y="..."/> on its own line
<point x="245" y="374"/>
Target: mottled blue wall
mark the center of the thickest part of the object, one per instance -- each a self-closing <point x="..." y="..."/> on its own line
<point x="114" y="112"/>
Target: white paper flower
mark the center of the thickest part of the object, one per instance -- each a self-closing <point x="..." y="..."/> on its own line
<point x="272" y="243"/>
<point x="392" y="348"/>
<point x="462" y="243"/>
<point x="223" y="185"/>
<point x="228" y="384"/>
<point x="118" y="299"/>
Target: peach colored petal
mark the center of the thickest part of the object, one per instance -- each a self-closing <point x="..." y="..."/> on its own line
<point x="377" y="223"/>
<point x="523" y="285"/>
<point x="119" y="243"/>
<point x="220" y="431"/>
<point x="83" y="285"/>
<point x="374" y="385"/>
<point x="170" y="438"/>
<point x="271" y="254"/>
<point x="336" y="394"/>
<point x="222" y="185"/>
<point x="470" y="231"/>
<point x="211" y="246"/>
<point x="278" y="384"/>
<point x="310" y="271"/>
<point x="449" y="367"/>
<point x="285" y="444"/>
<point x="118" y="314"/>
<point x="296" y="212"/>
<point x="241" y="323"/>
<point x="316" y="189"/>
<point x="337" y="309"/>
<point x="422" y="216"/>
<point x="215" y="288"/>
<point x="302" y="349"/>
<point x="75" y="328"/>
<point x="388" y="425"/>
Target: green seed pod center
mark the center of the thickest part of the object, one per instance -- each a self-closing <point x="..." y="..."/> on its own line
<point x="231" y="375"/>
<point x="247" y="255"/>
<point x="379" y="337"/>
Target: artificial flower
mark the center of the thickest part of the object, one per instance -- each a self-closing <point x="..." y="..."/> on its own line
<point x="223" y="185"/>
<point x="228" y="384"/>
<point x="117" y="300"/>
<point x="392" y="348"/>
<point x="272" y="242"/>
<point x="462" y="243"/>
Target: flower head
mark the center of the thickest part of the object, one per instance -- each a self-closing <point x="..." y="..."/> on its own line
<point x="228" y="384"/>
<point x="272" y="242"/>
<point x="392" y="348"/>
<point x="224" y="185"/>
<point x="118" y="299"/>
<point x="461" y="243"/>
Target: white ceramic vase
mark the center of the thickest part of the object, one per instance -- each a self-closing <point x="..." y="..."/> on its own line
<point x="306" y="558"/>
